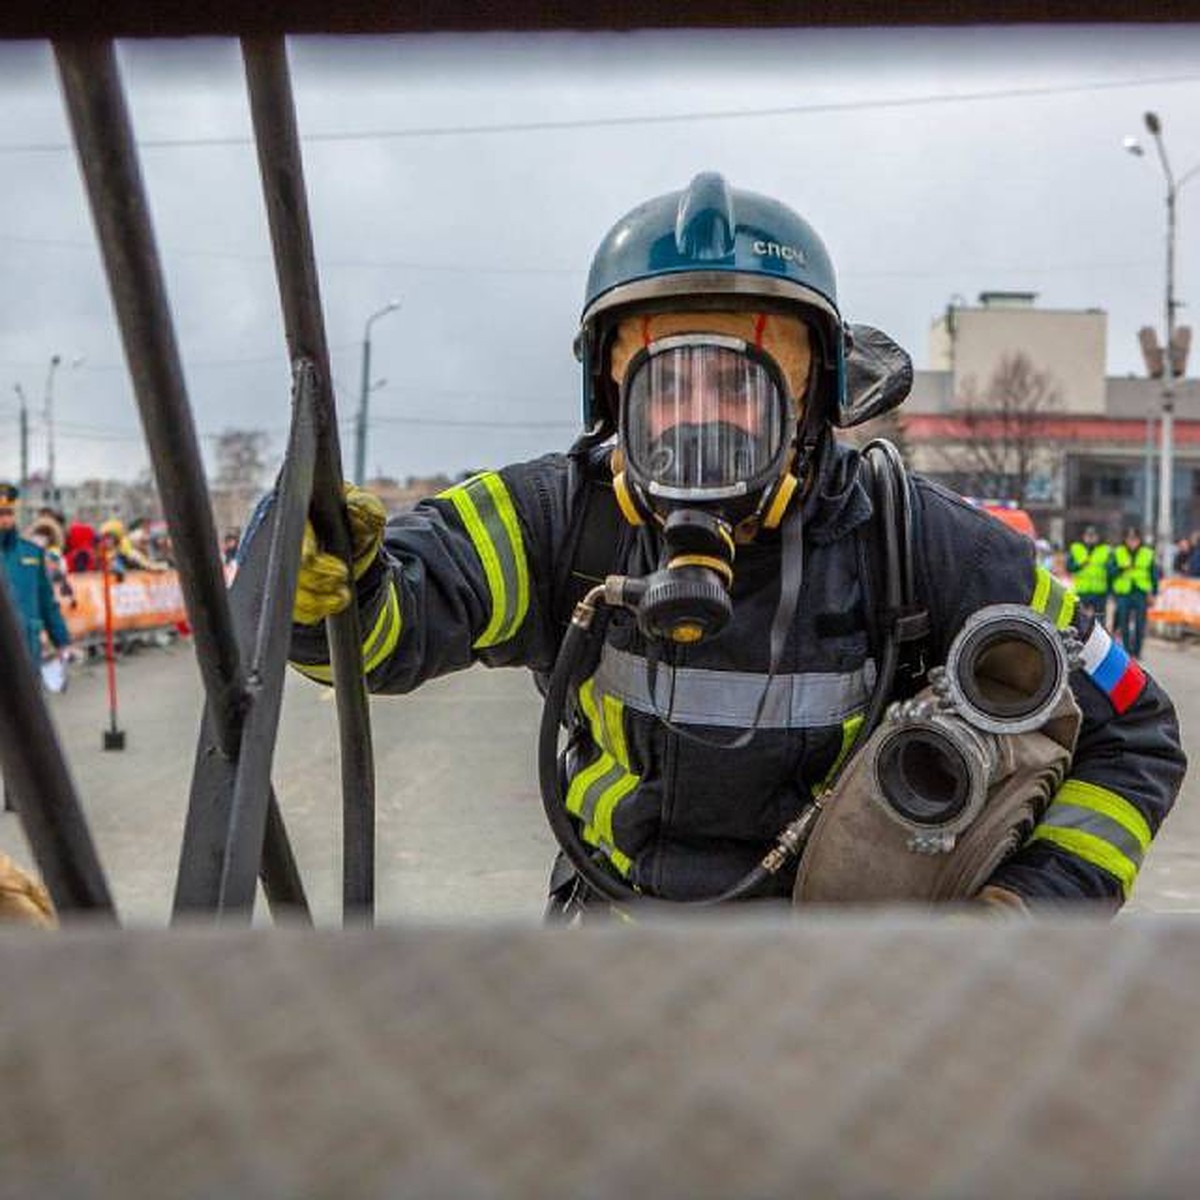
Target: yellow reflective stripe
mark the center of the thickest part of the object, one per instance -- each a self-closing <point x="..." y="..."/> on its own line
<point x="605" y="806"/>
<point x="619" y="860"/>
<point x="487" y="556"/>
<point x="386" y="632"/>
<point x="614" y="729"/>
<point x="1041" y="589"/>
<point x="1109" y="804"/>
<point x="1067" y="615"/>
<point x="607" y="720"/>
<point x="1051" y="599"/>
<point x="321" y="672"/>
<point x="577" y="791"/>
<point x="1091" y="849"/>
<point x="496" y="535"/>
<point x="850" y="727"/>
<point x="587" y="701"/>
<point x="607" y="723"/>
<point x="512" y="527"/>
<point x="377" y="645"/>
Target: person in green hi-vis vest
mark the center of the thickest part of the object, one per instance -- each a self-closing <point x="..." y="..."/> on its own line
<point x="1090" y="564"/>
<point x="1134" y="582"/>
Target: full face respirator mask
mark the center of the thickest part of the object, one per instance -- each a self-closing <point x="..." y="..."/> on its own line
<point x="707" y="432"/>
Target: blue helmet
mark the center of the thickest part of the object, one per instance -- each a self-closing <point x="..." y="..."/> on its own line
<point x="706" y="246"/>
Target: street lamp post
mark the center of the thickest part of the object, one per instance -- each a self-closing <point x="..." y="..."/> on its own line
<point x="1166" y="461"/>
<point x="23" y="430"/>
<point x="48" y="413"/>
<point x="55" y="359"/>
<point x="360" y="425"/>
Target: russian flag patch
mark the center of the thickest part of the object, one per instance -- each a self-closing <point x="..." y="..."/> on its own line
<point x="1112" y="670"/>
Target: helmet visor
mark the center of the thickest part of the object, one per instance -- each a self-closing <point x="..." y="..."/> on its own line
<point x="703" y="417"/>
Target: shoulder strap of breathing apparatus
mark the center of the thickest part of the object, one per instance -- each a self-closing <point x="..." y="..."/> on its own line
<point x="897" y="622"/>
<point x="595" y="534"/>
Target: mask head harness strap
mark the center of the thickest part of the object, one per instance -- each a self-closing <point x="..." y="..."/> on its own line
<point x="775" y="501"/>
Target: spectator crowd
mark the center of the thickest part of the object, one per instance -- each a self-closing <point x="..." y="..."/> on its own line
<point x="57" y="549"/>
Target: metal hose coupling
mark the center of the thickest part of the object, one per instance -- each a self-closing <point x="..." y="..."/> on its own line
<point x="792" y="840"/>
<point x="936" y="758"/>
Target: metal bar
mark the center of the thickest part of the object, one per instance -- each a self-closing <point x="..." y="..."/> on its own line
<point x="244" y="843"/>
<point x="274" y="118"/>
<point x="201" y="858"/>
<point x="40" y="784"/>
<point x="279" y="872"/>
<point x="108" y="160"/>
<point x="105" y="146"/>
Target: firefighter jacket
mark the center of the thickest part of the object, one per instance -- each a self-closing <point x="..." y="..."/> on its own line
<point x="480" y="574"/>
<point x="24" y="564"/>
<point x="1136" y="571"/>
<point x="1090" y="565"/>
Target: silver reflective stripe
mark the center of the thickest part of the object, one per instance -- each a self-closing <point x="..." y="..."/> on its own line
<point x="1086" y="820"/>
<point x="597" y="787"/>
<point x="694" y="696"/>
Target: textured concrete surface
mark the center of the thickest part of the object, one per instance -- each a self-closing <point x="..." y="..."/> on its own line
<point x="835" y="1057"/>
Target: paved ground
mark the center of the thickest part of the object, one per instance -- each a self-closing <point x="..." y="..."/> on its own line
<point x="460" y="829"/>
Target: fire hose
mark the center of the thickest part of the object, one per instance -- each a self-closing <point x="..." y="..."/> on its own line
<point x="955" y="779"/>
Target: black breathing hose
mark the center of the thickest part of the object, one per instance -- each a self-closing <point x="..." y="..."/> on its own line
<point x="570" y="654"/>
<point x="554" y="802"/>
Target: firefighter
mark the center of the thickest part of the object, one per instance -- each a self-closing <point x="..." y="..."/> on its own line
<point x="1090" y="564"/>
<point x="715" y="368"/>
<point x="24" y="567"/>
<point x="1134" y="584"/>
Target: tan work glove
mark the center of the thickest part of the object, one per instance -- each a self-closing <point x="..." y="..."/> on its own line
<point x="23" y="900"/>
<point x="322" y="586"/>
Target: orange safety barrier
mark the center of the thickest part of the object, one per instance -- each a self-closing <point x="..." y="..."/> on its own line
<point x="140" y="600"/>
<point x="153" y="600"/>
<point x="1178" y="602"/>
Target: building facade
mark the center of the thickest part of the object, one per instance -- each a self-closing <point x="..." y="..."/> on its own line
<point x="1016" y="405"/>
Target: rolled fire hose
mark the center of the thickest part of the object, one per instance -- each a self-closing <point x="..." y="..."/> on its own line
<point x="954" y="780"/>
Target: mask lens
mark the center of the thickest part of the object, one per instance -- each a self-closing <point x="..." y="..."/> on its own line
<point x="702" y="416"/>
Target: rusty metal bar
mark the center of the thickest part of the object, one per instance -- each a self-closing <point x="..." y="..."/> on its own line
<point x="273" y="114"/>
<point x="108" y="160"/>
<point x="40" y="783"/>
<point x="244" y="842"/>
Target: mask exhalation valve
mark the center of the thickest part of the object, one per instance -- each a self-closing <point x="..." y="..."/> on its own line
<point x="687" y="599"/>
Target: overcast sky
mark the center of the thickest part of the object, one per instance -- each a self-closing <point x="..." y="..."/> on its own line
<point x="472" y="177"/>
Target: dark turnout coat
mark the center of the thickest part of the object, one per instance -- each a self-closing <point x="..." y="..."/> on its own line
<point x="481" y="574"/>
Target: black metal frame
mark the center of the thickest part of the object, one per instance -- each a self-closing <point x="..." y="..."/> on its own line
<point x="234" y="832"/>
<point x="273" y="113"/>
<point x="39" y="783"/>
